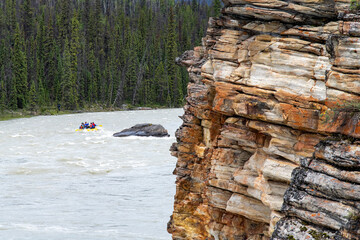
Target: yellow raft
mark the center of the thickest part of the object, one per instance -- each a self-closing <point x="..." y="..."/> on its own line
<point x="88" y="129"/>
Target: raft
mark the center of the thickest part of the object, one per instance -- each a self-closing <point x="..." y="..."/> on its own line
<point x="88" y="129"/>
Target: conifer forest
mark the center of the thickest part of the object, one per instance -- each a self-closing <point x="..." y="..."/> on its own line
<point x="105" y="52"/>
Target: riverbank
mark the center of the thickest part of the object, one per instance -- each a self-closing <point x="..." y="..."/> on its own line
<point x="44" y="111"/>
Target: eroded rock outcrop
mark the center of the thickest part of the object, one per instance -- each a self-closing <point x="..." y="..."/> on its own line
<point x="272" y="80"/>
<point x="323" y="199"/>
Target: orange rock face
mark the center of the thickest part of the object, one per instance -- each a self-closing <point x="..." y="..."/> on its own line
<point x="266" y="87"/>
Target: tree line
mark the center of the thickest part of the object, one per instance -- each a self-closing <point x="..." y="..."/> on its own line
<point x="108" y="52"/>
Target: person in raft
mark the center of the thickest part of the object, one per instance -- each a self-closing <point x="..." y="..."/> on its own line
<point x="86" y="125"/>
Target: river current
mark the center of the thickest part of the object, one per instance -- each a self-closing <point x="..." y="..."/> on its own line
<point x="57" y="183"/>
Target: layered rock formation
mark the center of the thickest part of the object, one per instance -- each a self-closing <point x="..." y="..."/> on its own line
<point x="271" y="83"/>
<point x="323" y="199"/>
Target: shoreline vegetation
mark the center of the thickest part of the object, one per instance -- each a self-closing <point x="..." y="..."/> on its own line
<point x="92" y="52"/>
<point x="53" y="111"/>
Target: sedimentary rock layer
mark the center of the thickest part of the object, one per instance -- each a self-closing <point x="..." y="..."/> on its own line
<point x="271" y="80"/>
<point x="323" y="198"/>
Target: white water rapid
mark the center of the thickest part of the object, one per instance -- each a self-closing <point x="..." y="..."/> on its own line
<point x="58" y="184"/>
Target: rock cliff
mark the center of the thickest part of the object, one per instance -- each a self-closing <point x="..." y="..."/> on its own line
<point x="268" y="145"/>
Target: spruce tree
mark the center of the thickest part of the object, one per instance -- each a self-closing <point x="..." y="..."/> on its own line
<point x="2" y="22"/>
<point x="2" y="90"/>
<point x="92" y="83"/>
<point x="161" y="86"/>
<point x="216" y="9"/>
<point x="74" y="51"/>
<point x="171" y="54"/>
<point x="13" y="95"/>
<point x="68" y="86"/>
<point x="32" y="99"/>
<point x="64" y="21"/>
<point x="97" y="79"/>
<point x="86" y="21"/>
<point x="20" y="68"/>
<point x="10" y="15"/>
<point x="58" y="78"/>
<point x="27" y="18"/>
<point x="42" y="95"/>
<point x="50" y="62"/>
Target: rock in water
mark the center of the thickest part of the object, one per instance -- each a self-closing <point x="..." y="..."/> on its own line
<point x="144" y="130"/>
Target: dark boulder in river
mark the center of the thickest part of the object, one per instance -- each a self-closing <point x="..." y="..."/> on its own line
<point x="144" y="130"/>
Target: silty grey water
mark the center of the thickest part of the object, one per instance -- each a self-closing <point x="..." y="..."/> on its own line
<point x="60" y="184"/>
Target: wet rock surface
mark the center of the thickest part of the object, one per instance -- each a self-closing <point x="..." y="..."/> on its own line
<point x="144" y="130"/>
<point x="271" y="81"/>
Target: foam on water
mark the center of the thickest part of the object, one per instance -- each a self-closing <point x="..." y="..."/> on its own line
<point x="63" y="184"/>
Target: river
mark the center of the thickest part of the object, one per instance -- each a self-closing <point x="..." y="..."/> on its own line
<point x="57" y="183"/>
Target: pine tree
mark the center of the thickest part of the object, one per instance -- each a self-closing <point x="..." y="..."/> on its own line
<point x="171" y="54"/>
<point x="97" y="80"/>
<point x="20" y="68"/>
<point x="2" y="22"/>
<point x="50" y="62"/>
<point x="86" y="21"/>
<point x="41" y="38"/>
<point x="58" y="78"/>
<point x="64" y="21"/>
<point x="216" y="9"/>
<point x="68" y="86"/>
<point x="27" y="18"/>
<point x="13" y="95"/>
<point x="32" y="100"/>
<point x="42" y="96"/>
<point x="179" y="87"/>
<point x="161" y="88"/>
<point x="74" y="51"/>
<point x="92" y="80"/>
<point x="195" y="4"/>
<point x="2" y="90"/>
<point x="10" y="15"/>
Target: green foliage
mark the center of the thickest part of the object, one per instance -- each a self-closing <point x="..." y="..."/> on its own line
<point x="352" y="216"/>
<point x="351" y="108"/>
<point x="88" y="52"/>
<point x="32" y="100"/>
<point x="13" y="96"/>
<point x="68" y="84"/>
<point x="171" y="54"/>
<point x="27" y="18"/>
<point x="20" y="68"/>
<point x="10" y="14"/>
<point x="354" y="5"/>
<point x="303" y="229"/>
<point x="216" y="8"/>
<point x="319" y="235"/>
<point x="2" y="96"/>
